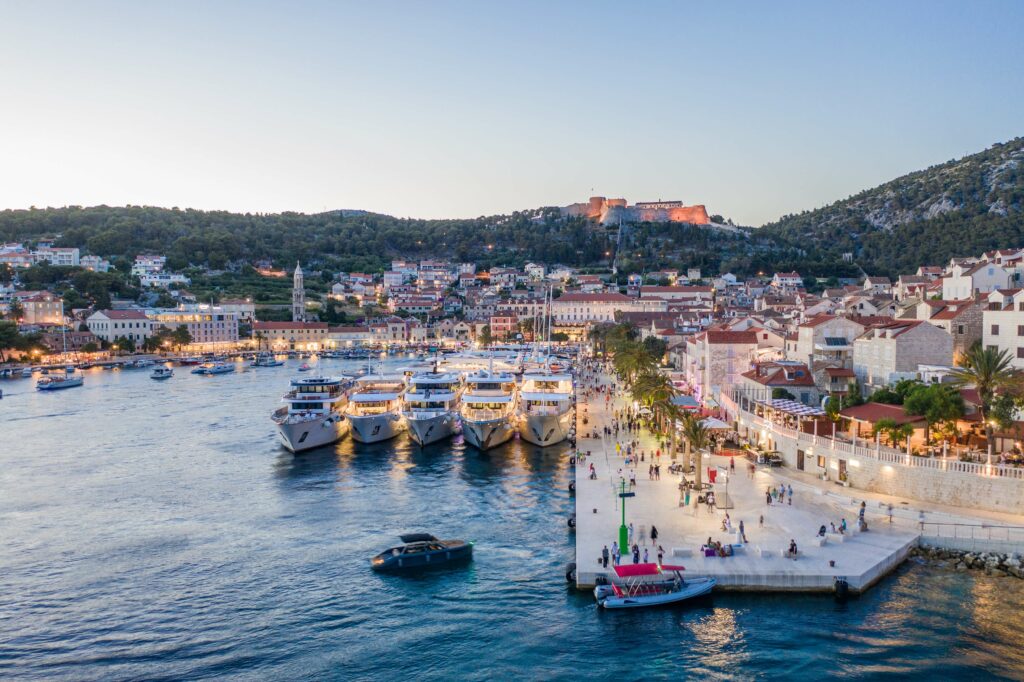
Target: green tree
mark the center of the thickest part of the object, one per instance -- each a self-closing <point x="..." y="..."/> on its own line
<point x="181" y="336"/>
<point x="782" y="393"/>
<point x="990" y="371"/>
<point x="9" y="337"/>
<point x="485" y="336"/>
<point x="15" y="310"/>
<point x="937" y="403"/>
<point x="698" y="437"/>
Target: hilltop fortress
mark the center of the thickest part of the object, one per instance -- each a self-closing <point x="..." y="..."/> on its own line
<point x="613" y="211"/>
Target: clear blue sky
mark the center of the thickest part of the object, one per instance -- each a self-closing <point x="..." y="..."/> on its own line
<point x="444" y="109"/>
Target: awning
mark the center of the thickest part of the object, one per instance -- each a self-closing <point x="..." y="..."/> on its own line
<point x="713" y="424"/>
<point x="633" y="570"/>
<point x="687" y="402"/>
<point x="797" y="409"/>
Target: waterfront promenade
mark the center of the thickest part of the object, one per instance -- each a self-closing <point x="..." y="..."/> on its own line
<point x="760" y="564"/>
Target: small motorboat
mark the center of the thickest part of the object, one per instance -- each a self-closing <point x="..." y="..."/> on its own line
<point x="212" y="368"/>
<point x="26" y="373"/>
<point x="266" y="360"/>
<point x="422" y="550"/>
<point x="649" y="585"/>
<point x="304" y="367"/>
<point x="161" y="373"/>
<point x="190" y="361"/>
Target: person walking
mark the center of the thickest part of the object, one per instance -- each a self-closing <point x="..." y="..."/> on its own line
<point x="760" y="522"/>
<point x="889" y="509"/>
<point x="643" y="535"/>
<point x="636" y="554"/>
<point x="604" y="557"/>
<point x="661" y="553"/>
<point x="646" y="559"/>
<point x="631" y="532"/>
<point x="743" y="532"/>
<point x="768" y="497"/>
<point x="654" y="534"/>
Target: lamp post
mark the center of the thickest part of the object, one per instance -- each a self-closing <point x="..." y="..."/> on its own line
<point x="623" y="531"/>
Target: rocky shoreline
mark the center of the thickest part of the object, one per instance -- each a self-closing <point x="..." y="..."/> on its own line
<point x="992" y="563"/>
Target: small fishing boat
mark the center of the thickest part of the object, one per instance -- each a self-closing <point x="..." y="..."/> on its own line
<point x="422" y="550"/>
<point x="161" y="373"/>
<point x="304" y="367"/>
<point x="649" y="585"/>
<point x="190" y="361"/>
<point x="26" y="373"/>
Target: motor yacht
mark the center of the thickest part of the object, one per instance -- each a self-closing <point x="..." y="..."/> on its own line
<point x="313" y="413"/>
<point x="488" y="408"/>
<point x="161" y="373"/>
<point x="214" y="368"/>
<point x="545" y="408"/>
<point x="266" y="360"/>
<point x="430" y="406"/>
<point x="374" y="408"/>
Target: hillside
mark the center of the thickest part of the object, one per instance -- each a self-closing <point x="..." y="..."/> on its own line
<point x="349" y="240"/>
<point x="961" y="207"/>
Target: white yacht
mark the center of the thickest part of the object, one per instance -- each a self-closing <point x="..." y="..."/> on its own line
<point x="545" y="408"/>
<point x="375" y="407"/>
<point x="161" y="373"/>
<point x="266" y="360"/>
<point x="69" y="378"/>
<point x="430" y="406"/>
<point x="314" y="413"/>
<point x="488" y="408"/>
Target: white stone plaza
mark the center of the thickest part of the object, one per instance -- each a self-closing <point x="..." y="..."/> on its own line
<point x="760" y="563"/>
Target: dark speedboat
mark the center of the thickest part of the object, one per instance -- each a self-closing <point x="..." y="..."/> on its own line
<point x="422" y="550"/>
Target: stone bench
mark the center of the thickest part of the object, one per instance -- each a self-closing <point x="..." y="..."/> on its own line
<point x="739" y="548"/>
<point x="837" y="537"/>
<point x="682" y="552"/>
<point x="762" y="552"/>
<point x="817" y="541"/>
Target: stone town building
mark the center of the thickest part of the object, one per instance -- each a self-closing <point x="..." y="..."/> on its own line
<point x="826" y="340"/>
<point x="785" y="377"/>
<point x="110" y="325"/>
<point x="887" y="353"/>
<point x="582" y="309"/>
<point x="967" y="281"/>
<point x="1003" y="324"/>
<point x="39" y="307"/>
<point x="714" y="361"/>
<point x="291" y="335"/>
<point x="209" y="327"/>
<point x="614" y="211"/>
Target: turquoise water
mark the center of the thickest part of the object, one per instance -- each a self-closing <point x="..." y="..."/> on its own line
<point x="156" y="530"/>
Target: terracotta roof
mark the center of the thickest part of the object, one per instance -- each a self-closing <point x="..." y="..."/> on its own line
<point x="676" y="289"/>
<point x="776" y="375"/>
<point x="820" y="319"/>
<point x="875" y="412"/>
<point x="593" y="298"/>
<point x="839" y="372"/>
<point x="715" y="336"/>
<point x="125" y="314"/>
<point x="288" y="325"/>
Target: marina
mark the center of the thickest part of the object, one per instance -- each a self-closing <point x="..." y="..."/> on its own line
<point x="141" y="521"/>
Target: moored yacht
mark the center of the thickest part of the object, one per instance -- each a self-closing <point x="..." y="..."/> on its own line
<point x="430" y="406"/>
<point x="488" y="408"/>
<point x="374" y="408"/>
<point x="266" y="360"/>
<point x="313" y="415"/>
<point x="545" y="408"/>
<point x="56" y="381"/>
<point x="161" y="373"/>
<point x="214" y="368"/>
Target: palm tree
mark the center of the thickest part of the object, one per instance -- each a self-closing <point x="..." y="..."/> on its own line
<point x="990" y="371"/>
<point x="666" y="412"/>
<point x="259" y="336"/>
<point x="697" y="437"/>
<point x="650" y="387"/>
<point x="631" y="360"/>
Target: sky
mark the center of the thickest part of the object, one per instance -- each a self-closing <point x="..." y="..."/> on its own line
<point x="462" y="109"/>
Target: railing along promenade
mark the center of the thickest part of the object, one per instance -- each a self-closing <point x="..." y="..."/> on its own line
<point x="875" y="451"/>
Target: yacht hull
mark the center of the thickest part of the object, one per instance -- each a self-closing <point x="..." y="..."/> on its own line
<point x="485" y="435"/>
<point x="545" y="429"/>
<point x="377" y="427"/>
<point x="427" y="430"/>
<point x="313" y="434"/>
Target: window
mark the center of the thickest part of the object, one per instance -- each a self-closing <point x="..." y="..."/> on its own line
<point x="995" y="330"/>
<point x="821" y="461"/>
<point x="959" y="329"/>
<point x="1020" y="352"/>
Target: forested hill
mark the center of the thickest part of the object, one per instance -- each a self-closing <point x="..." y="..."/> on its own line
<point x="958" y="208"/>
<point x="351" y="240"/>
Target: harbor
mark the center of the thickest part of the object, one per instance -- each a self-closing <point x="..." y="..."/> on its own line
<point x="213" y="548"/>
<point x="759" y="558"/>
